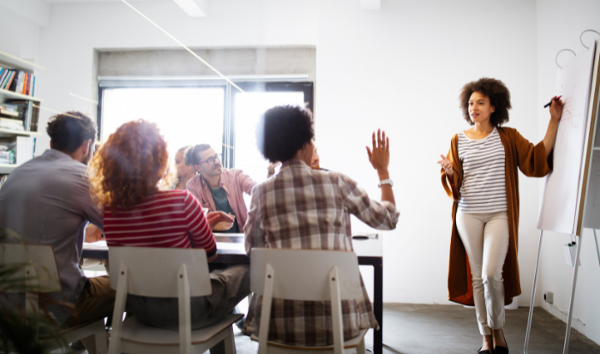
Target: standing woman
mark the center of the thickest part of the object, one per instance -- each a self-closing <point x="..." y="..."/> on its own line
<point x="480" y="174"/>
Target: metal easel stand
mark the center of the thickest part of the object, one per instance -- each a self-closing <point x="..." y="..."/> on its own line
<point x="597" y="246"/>
<point x="571" y="301"/>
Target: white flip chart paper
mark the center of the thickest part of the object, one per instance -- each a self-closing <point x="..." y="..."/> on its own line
<point x="559" y="202"/>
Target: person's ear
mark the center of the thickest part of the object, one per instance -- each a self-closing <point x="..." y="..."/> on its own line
<point x="493" y="109"/>
<point x="86" y="147"/>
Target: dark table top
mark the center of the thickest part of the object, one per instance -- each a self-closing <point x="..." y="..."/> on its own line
<point x="230" y="250"/>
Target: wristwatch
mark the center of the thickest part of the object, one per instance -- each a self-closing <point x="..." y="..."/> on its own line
<point x="385" y="181"/>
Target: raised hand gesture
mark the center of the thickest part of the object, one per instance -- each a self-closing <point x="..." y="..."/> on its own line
<point x="380" y="155"/>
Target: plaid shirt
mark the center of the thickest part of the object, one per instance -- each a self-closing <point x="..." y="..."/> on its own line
<point x="302" y="208"/>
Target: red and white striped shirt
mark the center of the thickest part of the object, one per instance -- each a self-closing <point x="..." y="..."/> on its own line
<point x="169" y="219"/>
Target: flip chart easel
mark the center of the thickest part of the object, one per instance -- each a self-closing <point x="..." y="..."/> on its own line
<point x="572" y="191"/>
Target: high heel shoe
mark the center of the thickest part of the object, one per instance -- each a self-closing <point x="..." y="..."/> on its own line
<point x="500" y="349"/>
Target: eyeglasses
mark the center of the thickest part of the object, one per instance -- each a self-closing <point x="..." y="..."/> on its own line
<point x="211" y="160"/>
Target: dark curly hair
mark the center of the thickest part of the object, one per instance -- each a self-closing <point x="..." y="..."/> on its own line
<point x="69" y="130"/>
<point x="498" y="94"/>
<point x="127" y="168"/>
<point x="282" y="131"/>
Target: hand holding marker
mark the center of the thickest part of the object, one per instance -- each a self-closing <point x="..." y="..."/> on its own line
<point x="554" y="99"/>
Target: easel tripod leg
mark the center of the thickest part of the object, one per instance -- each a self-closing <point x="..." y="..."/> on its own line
<point x="531" y="304"/>
<point x="597" y="245"/>
<point x="572" y="301"/>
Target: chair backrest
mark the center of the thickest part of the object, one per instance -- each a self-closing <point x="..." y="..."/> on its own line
<point x="153" y="271"/>
<point x="36" y="262"/>
<point x="303" y="274"/>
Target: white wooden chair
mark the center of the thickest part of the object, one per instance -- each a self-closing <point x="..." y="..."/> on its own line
<point x="43" y="273"/>
<point x="306" y="275"/>
<point x="166" y="273"/>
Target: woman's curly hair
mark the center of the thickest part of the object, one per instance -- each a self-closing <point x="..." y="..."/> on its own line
<point x="499" y="98"/>
<point x="128" y="167"/>
<point x="282" y="131"/>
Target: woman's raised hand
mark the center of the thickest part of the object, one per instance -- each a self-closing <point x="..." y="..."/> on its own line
<point x="380" y="155"/>
<point x="556" y="108"/>
<point x="446" y="165"/>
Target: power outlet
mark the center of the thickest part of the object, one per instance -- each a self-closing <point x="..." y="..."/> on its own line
<point x="549" y="297"/>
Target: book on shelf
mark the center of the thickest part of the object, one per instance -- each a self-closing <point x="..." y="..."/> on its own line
<point x="27" y="113"/>
<point x="25" y="149"/>
<point x="12" y="124"/>
<point x="8" y="106"/>
<point x="17" y="81"/>
<point x="35" y="116"/>
<point x="11" y="120"/>
<point x="5" y="112"/>
<point x="9" y="81"/>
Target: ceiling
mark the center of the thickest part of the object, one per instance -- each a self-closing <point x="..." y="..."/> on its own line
<point x="84" y="1"/>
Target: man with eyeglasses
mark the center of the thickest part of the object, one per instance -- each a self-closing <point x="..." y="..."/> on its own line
<point x="215" y="187"/>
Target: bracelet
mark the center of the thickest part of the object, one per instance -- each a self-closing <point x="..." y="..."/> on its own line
<point x="386" y="181"/>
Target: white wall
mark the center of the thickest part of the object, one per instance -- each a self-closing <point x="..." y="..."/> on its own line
<point x="19" y="36"/>
<point x="67" y="45"/>
<point x="559" y="25"/>
<point x="401" y="69"/>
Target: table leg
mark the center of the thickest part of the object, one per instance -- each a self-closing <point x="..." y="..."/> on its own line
<point x="378" y="308"/>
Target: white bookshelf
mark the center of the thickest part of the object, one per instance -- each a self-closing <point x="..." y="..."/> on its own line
<point x="19" y="96"/>
<point x="7" y="133"/>
<point x="14" y="62"/>
<point x="6" y="169"/>
<point x="9" y="61"/>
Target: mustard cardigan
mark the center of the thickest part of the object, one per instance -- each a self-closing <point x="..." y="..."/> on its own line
<point x="532" y="161"/>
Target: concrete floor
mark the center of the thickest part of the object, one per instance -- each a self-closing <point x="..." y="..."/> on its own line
<point x="420" y="329"/>
<point x="447" y="329"/>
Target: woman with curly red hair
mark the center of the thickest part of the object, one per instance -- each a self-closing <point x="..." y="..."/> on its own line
<point x="125" y="175"/>
<point x="480" y="175"/>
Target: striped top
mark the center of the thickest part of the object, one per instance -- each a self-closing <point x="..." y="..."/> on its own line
<point x="169" y="219"/>
<point x="483" y="188"/>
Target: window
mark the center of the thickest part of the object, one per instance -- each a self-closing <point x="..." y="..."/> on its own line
<point x="185" y="116"/>
<point x="219" y="115"/>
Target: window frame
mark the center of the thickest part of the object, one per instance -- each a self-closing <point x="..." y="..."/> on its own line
<point x="230" y="92"/>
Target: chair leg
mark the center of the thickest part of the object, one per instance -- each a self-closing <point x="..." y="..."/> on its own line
<point x="230" y="342"/>
<point x="219" y="348"/>
<point x="361" y="347"/>
<point x="91" y="344"/>
<point x="101" y="342"/>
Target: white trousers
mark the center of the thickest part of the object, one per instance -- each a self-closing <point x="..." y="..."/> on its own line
<point x="485" y="237"/>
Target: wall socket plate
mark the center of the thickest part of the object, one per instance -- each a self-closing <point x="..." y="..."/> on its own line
<point x="549" y="297"/>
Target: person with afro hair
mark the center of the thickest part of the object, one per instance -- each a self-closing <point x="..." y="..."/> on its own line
<point x="480" y="175"/>
<point x="305" y="208"/>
